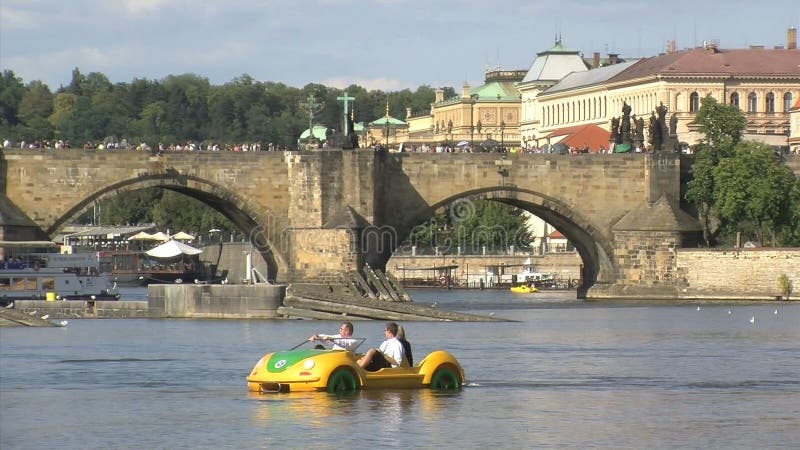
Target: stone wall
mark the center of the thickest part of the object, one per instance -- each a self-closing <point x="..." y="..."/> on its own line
<point x="75" y="309"/>
<point x="256" y="301"/>
<point x="737" y="273"/>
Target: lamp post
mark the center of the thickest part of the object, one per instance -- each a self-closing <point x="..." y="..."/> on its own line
<point x="472" y="99"/>
<point x="449" y="132"/>
<point x="502" y="136"/>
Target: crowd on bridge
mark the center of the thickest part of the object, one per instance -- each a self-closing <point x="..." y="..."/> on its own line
<point x="160" y="148"/>
<point x="191" y="146"/>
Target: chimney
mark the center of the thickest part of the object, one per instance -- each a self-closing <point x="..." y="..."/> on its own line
<point x="671" y="46"/>
<point x="791" y="39"/>
<point x="439" y="95"/>
<point x="408" y="112"/>
<point x="465" y="90"/>
<point x="612" y="58"/>
<point x="596" y="59"/>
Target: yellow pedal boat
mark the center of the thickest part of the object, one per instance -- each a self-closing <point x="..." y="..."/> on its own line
<point x="524" y="289"/>
<point x="335" y="371"/>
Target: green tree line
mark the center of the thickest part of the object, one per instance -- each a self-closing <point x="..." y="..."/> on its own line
<point x="742" y="189"/>
<point x="181" y="108"/>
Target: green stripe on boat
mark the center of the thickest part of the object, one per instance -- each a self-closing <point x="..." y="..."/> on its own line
<point x="279" y="361"/>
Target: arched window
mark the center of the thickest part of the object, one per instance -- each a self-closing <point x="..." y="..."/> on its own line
<point x="694" y="102"/>
<point x="787" y="102"/>
<point x="769" y="106"/>
<point x="735" y="99"/>
<point x="752" y="102"/>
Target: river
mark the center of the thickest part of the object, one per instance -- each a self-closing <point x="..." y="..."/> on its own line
<point x="566" y="374"/>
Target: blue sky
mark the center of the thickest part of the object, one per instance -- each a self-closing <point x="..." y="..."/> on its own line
<point x="378" y="44"/>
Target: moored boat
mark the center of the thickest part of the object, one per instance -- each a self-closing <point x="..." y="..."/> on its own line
<point x="53" y="276"/>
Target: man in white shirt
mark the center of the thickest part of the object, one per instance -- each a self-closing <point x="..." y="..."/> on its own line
<point x="342" y="341"/>
<point x="389" y="354"/>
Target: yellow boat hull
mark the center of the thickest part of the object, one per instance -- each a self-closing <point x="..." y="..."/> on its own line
<point x="334" y="370"/>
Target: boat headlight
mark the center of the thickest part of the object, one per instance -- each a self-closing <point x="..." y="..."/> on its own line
<point x="308" y="364"/>
<point x="93" y="297"/>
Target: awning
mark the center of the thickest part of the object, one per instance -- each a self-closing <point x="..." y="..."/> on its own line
<point x="622" y="148"/>
<point x="171" y="249"/>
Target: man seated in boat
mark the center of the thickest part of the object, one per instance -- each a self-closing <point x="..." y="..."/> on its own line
<point x="341" y="341"/>
<point x="390" y="354"/>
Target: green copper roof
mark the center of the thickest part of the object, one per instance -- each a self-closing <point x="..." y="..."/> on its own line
<point x="319" y="132"/>
<point x="559" y="48"/>
<point x="497" y="91"/>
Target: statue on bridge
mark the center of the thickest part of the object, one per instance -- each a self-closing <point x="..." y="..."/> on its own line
<point x="638" y="140"/>
<point x="654" y="134"/>
<point x="625" y="126"/>
<point x="615" y="131"/>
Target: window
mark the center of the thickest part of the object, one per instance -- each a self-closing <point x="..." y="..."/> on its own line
<point x="787" y="102"/>
<point x="769" y="106"/>
<point x="694" y="102"/>
<point x="735" y="99"/>
<point x="752" y="102"/>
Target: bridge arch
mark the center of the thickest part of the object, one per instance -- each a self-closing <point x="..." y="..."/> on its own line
<point x="263" y="230"/>
<point x="595" y="248"/>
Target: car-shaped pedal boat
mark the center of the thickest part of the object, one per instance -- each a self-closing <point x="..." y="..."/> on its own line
<point x="336" y="371"/>
<point x="524" y="289"/>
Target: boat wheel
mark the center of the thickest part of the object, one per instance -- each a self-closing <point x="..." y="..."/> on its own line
<point x="445" y="379"/>
<point x="342" y="381"/>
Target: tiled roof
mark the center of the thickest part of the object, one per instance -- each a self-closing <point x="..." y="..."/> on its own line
<point x="589" y="77"/>
<point x="581" y="136"/>
<point x="699" y="62"/>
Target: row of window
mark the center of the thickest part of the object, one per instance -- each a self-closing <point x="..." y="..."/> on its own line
<point x="752" y="102"/>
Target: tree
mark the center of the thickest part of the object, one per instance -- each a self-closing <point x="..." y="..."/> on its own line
<point x="700" y="189"/>
<point x="11" y="92"/>
<point x="473" y="225"/>
<point x="723" y="126"/>
<point x="753" y="191"/>
<point x="34" y="109"/>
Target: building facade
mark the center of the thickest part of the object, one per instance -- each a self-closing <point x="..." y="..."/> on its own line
<point x="489" y="112"/>
<point x="763" y="83"/>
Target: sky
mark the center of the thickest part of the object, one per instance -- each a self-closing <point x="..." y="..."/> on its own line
<point x="378" y="44"/>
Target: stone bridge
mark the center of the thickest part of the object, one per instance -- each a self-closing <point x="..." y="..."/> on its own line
<point x="313" y="215"/>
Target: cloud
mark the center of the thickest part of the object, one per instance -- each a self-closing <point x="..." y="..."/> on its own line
<point x="16" y="15"/>
<point x="370" y="84"/>
<point x="143" y="7"/>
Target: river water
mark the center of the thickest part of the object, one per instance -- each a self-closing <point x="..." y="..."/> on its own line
<point x="566" y="374"/>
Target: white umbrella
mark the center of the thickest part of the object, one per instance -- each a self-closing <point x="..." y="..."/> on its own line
<point x="171" y="249"/>
<point x="142" y="236"/>
<point x="182" y="236"/>
<point x="160" y="236"/>
<point x="462" y="144"/>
